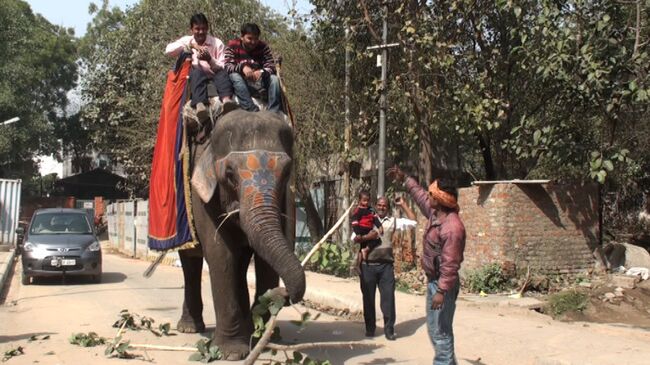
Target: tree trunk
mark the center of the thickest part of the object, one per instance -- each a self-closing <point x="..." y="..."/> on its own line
<point x="486" y="151"/>
<point x="425" y="158"/>
<point x="314" y="223"/>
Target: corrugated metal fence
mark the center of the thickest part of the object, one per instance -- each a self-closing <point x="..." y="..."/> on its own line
<point x="9" y="210"/>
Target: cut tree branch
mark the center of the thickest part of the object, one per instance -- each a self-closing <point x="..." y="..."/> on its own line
<point x="309" y="345"/>
<point x="264" y="340"/>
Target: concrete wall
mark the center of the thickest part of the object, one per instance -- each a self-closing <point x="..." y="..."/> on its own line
<point x="552" y="228"/>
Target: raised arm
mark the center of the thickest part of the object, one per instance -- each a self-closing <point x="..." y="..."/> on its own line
<point x="406" y="209"/>
<point x="419" y="195"/>
<point x="175" y="48"/>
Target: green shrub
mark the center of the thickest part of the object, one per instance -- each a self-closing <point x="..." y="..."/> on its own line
<point x="488" y="279"/>
<point x="332" y="259"/>
<point x="567" y="301"/>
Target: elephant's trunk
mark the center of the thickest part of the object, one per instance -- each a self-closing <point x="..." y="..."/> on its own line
<point x="262" y="224"/>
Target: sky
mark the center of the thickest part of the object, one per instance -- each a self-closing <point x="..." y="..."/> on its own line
<point x="74" y="14"/>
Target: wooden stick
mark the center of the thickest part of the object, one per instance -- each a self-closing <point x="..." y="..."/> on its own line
<point x="264" y="341"/>
<point x="326" y="236"/>
<point x="309" y="345"/>
<point x="119" y="332"/>
<point x="163" y="348"/>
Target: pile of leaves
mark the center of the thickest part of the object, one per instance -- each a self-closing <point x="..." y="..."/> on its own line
<point x="90" y="339"/>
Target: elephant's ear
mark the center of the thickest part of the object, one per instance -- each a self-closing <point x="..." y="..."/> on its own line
<point x="204" y="178"/>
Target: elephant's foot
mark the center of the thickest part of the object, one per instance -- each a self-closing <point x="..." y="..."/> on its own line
<point x="233" y="350"/>
<point x="188" y="325"/>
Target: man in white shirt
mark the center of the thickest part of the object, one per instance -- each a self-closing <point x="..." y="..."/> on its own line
<point x="378" y="272"/>
<point x="208" y="60"/>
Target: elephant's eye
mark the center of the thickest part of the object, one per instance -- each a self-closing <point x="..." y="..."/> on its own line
<point x="230" y="176"/>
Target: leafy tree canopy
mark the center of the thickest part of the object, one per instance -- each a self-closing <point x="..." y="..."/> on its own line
<point x="37" y="69"/>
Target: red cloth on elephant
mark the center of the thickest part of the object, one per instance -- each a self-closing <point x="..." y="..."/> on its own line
<point x="169" y="222"/>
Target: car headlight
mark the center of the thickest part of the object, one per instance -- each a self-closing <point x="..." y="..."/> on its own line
<point x="28" y="247"/>
<point x="95" y="246"/>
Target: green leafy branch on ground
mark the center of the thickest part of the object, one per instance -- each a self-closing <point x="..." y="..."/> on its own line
<point x="206" y="352"/>
<point x="136" y="322"/>
<point x="35" y="338"/>
<point x="89" y="339"/>
<point x="118" y="348"/>
<point x="12" y="353"/>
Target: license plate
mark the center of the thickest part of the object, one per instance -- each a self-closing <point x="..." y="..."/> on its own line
<point x="63" y="262"/>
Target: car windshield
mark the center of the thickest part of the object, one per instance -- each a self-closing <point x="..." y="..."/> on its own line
<point x="60" y="223"/>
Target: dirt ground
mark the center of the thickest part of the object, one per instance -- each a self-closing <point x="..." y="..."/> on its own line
<point x="632" y="308"/>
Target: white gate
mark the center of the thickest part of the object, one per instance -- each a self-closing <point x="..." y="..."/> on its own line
<point x="111" y="217"/>
<point x="9" y="208"/>
<point x="141" y="228"/>
<point x="129" y="228"/>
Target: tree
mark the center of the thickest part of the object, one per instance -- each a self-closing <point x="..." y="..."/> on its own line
<point x="524" y="89"/>
<point x="37" y="69"/>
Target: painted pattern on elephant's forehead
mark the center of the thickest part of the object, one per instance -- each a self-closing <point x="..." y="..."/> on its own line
<point x="258" y="173"/>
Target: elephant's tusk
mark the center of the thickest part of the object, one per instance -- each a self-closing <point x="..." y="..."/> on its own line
<point x="227" y="215"/>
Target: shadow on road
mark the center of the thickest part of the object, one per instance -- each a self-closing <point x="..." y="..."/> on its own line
<point x="24" y="336"/>
<point x="408" y="328"/>
<point x="107" y="278"/>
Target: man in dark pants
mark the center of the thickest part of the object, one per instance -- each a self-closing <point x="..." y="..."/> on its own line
<point x="252" y="69"/>
<point x="377" y="271"/>
<point x="442" y="254"/>
<point x="208" y="59"/>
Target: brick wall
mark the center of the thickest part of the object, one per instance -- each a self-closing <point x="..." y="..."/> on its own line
<point x="552" y="228"/>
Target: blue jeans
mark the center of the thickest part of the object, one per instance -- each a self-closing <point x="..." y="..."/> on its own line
<point x="440" y="324"/>
<point x="243" y="92"/>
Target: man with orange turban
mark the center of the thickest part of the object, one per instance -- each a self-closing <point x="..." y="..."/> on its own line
<point x="442" y="254"/>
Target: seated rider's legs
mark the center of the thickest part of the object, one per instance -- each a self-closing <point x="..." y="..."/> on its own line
<point x="272" y="85"/>
<point x="199" y="86"/>
<point x="243" y="94"/>
<point x="223" y="84"/>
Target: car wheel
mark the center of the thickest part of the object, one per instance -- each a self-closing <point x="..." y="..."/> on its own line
<point x="25" y="279"/>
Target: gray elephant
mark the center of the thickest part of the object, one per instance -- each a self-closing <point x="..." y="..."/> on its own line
<point x="246" y="166"/>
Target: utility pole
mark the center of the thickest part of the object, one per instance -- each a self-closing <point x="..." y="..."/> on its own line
<point x="345" y="229"/>
<point x="381" y="165"/>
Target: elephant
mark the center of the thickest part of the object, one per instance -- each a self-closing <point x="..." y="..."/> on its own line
<point x="245" y="165"/>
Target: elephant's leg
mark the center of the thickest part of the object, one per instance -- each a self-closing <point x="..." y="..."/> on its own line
<point x="228" y="261"/>
<point x="192" y="318"/>
<point x="265" y="278"/>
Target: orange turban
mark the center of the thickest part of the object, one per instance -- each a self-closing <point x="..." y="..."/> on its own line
<point x="444" y="198"/>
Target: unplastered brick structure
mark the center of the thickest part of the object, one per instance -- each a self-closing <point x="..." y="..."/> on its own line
<point x="551" y="228"/>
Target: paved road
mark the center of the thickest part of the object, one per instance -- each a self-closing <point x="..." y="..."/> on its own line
<point x="486" y="333"/>
<point x="51" y="307"/>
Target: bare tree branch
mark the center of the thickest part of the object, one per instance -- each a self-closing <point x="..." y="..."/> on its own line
<point x="366" y="16"/>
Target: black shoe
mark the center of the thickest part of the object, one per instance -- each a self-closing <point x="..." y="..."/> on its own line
<point x="370" y="333"/>
<point x="390" y="336"/>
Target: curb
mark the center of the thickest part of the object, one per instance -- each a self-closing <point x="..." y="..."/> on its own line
<point x="6" y="267"/>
